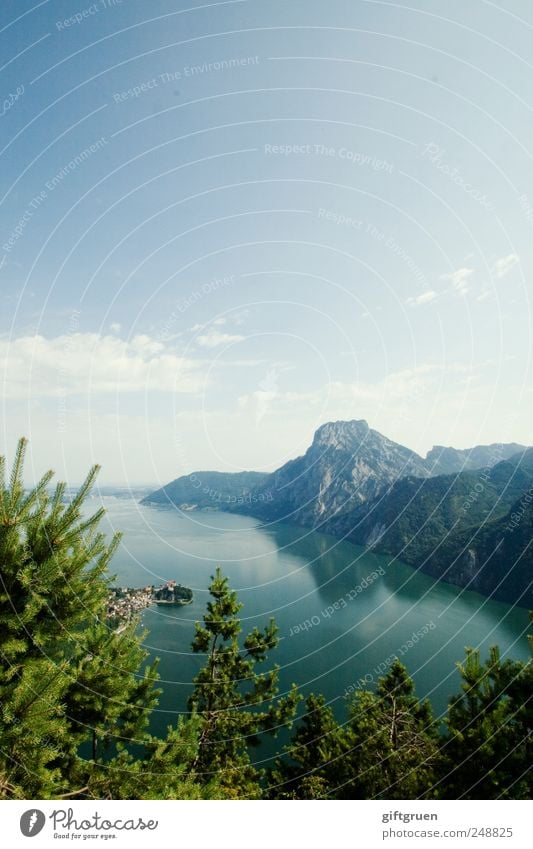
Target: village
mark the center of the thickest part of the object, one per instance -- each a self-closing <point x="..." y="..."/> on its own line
<point x="125" y="603"/>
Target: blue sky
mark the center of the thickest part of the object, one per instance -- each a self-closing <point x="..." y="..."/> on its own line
<point x="226" y="223"/>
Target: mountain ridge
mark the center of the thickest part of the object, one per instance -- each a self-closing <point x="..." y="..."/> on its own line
<point x="355" y="483"/>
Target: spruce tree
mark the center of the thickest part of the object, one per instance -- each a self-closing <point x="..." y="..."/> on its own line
<point x="236" y="704"/>
<point x="387" y="749"/>
<point x="68" y="683"/>
<point x="308" y="768"/>
<point x="162" y="772"/>
<point x="487" y="750"/>
<point x="76" y="695"/>
<point x="390" y="742"/>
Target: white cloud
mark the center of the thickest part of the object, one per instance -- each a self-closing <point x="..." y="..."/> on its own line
<point x="459" y="279"/>
<point x="418" y="407"/>
<point x="343" y="399"/>
<point x="235" y="318"/>
<point x="503" y="265"/>
<point x="213" y="339"/>
<point x="267" y="391"/>
<point x="216" y="321"/>
<point x="424" y="298"/>
<point x="115" y="327"/>
<point x="240" y="316"/>
<point x="77" y="363"/>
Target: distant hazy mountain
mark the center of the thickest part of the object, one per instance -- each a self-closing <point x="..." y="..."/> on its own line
<point x="446" y="461"/>
<point x="441" y="513"/>
<point x="213" y="490"/>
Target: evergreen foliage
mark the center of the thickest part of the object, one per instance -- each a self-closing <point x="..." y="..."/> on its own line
<point x="308" y="770"/>
<point x="76" y="695"/>
<point x="68" y="682"/>
<point x="488" y="748"/>
<point x="235" y="702"/>
<point x="391" y="748"/>
<point x="390" y="742"/>
<point x="387" y="749"/>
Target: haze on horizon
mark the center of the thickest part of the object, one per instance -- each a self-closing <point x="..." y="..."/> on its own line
<point x="223" y="227"/>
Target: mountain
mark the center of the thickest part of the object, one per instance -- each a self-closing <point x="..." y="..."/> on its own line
<point x="346" y="465"/>
<point x="441" y="513"/>
<point x="496" y="558"/>
<point x="446" y="461"/>
<point x="437" y="524"/>
<point x="207" y="490"/>
<point x="417" y="514"/>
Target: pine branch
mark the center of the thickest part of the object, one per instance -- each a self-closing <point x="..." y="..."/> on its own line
<point x="16" y="473"/>
<point x="73" y="793"/>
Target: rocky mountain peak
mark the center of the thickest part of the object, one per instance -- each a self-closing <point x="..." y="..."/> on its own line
<point x="343" y="436"/>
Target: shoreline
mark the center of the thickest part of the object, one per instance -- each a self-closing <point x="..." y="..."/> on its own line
<point x="124" y="603"/>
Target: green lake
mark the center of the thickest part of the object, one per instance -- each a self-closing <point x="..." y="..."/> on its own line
<point x="342" y="612"/>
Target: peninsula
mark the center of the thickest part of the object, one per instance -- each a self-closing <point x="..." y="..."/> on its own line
<point x="126" y="602"/>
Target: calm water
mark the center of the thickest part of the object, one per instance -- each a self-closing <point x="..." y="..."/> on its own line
<point x="295" y="575"/>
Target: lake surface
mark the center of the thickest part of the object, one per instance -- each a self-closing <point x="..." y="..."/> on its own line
<point x="335" y="630"/>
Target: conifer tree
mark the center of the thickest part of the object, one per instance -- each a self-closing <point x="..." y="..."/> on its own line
<point x="66" y="679"/>
<point x="236" y="704"/>
<point x="163" y="771"/>
<point x="487" y="751"/>
<point x="70" y="684"/>
<point x="390" y="742"/>
<point x="387" y="749"/>
<point x="308" y="768"/>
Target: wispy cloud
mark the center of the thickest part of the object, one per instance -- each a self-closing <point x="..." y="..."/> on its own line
<point x="424" y="298"/>
<point x="213" y="339"/>
<point x="78" y="363"/>
<point x="268" y="389"/>
<point x="402" y="385"/>
<point x="459" y="279"/>
<point x="503" y="265"/>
